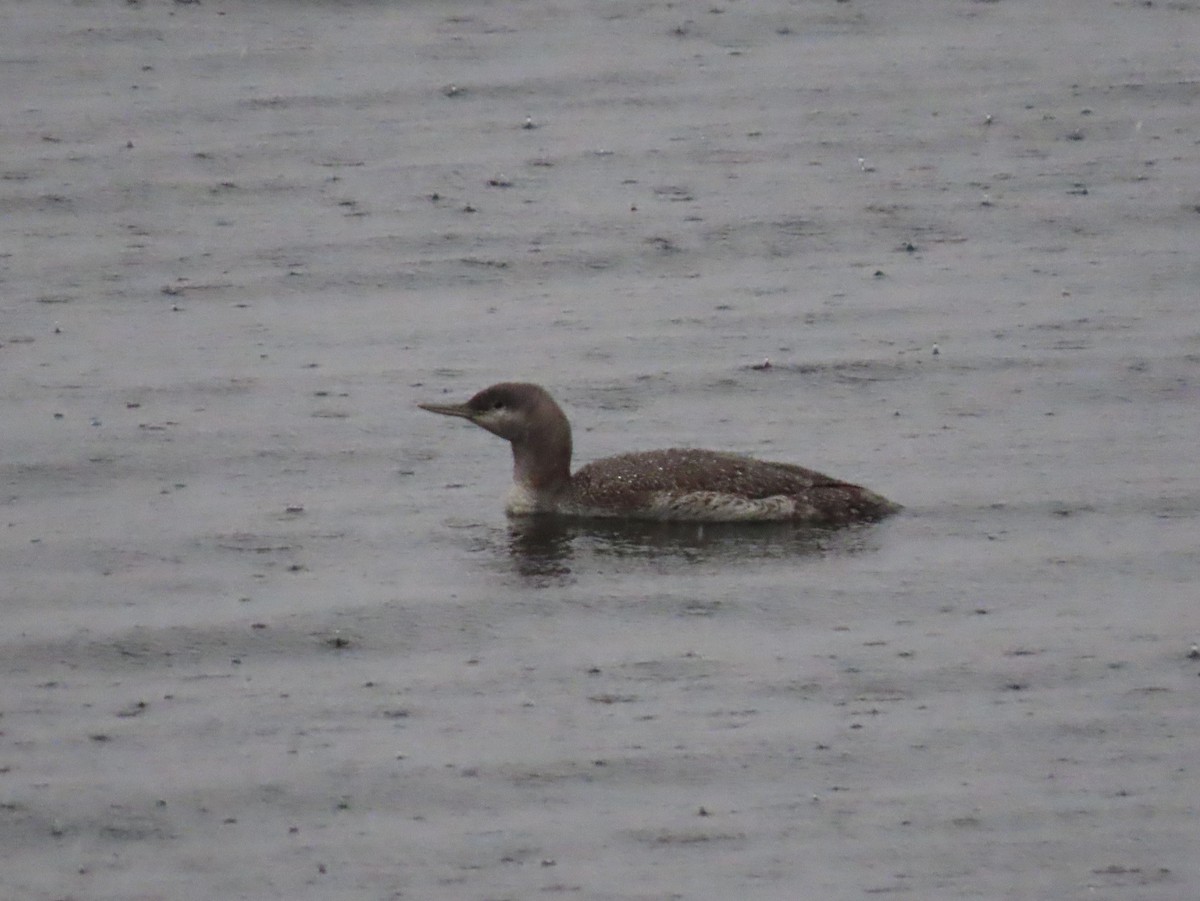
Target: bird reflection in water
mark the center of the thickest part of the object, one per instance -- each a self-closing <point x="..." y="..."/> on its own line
<point x="547" y="546"/>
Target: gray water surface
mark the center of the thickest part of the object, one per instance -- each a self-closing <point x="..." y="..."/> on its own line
<point x="267" y="632"/>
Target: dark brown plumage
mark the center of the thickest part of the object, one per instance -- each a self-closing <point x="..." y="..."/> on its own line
<point x="675" y="484"/>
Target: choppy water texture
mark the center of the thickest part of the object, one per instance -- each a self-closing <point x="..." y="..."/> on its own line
<point x="267" y="632"/>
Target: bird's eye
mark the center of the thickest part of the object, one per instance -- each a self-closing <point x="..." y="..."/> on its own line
<point x="498" y="405"/>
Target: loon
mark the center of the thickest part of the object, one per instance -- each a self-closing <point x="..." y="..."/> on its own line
<point x="676" y="485"/>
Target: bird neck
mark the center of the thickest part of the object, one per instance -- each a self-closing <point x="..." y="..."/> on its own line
<point x="542" y="455"/>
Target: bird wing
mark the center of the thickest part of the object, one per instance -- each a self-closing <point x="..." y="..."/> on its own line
<point x="683" y="471"/>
